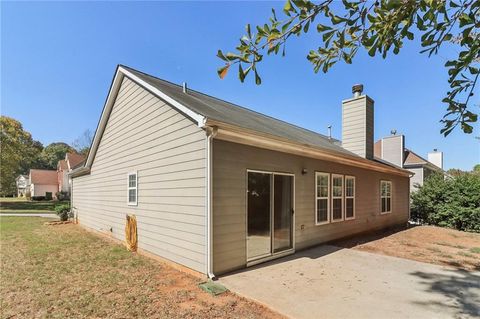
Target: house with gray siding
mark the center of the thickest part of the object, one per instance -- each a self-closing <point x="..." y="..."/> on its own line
<point x="217" y="187"/>
<point x="392" y="150"/>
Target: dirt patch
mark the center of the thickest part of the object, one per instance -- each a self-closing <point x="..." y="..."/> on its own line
<point x="67" y="272"/>
<point x="429" y="244"/>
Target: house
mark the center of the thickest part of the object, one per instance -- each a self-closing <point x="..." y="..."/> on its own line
<point x="392" y="149"/>
<point x="64" y="167"/>
<point x="217" y="187"/>
<point x="22" y="183"/>
<point x="43" y="183"/>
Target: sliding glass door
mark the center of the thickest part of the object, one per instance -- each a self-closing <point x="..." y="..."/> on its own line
<point x="269" y="214"/>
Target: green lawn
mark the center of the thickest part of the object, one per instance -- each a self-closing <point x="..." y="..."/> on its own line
<point x="66" y="272"/>
<point x="22" y="206"/>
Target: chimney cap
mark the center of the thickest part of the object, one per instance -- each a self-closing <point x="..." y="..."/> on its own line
<point x="393" y="132"/>
<point x="357" y="89"/>
<point x="435" y="150"/>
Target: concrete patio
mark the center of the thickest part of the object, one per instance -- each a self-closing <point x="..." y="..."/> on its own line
<point x="331" y="282"/>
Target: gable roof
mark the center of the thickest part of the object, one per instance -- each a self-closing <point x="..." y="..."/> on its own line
<point x="74" y="159"/>
<point x="232" y="120"/>
<point x="222" y="111"/>
<point x="43" y="177"/>
<point x="412" y="158"/>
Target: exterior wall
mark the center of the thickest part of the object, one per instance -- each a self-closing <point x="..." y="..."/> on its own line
<point x="357" y="126"/>
<point x="229" y="200"/>
<point x="168" y="151"/>
<point x="417" y="178"/>
<point x="63" y="185"/>
<point x="40" y="190"/>
<point x="393" y="149"/>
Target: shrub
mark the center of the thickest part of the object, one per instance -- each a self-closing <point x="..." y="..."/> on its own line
<point x="452" y="202"/>
<point x="38" y="197"/>
<point x="63" y="211"/>
<point x="48" y="195"/>
<point x="62" y="196"/>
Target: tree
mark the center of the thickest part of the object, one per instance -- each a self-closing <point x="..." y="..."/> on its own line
<point x="449" y="202"/>
<point x="476" y="169"/>
<point x="379" y="27"/>
<point x="53" y="153"/>
<point x="83" y="142"/>
<point x="18" y="152"/>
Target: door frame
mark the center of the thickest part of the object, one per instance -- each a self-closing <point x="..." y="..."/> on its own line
<point x="272" y="255"/>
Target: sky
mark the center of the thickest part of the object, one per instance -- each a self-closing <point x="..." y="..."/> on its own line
<point x="58" y="60"/>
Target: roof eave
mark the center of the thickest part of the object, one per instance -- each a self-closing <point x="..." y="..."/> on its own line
<point x="240" y="135"/>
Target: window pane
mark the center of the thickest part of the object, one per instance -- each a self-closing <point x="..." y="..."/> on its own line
<point x="132" y="180"/>
<point x="384" y="205"/>
<point x="132" y="196"/>
<point x="389" y="188"/>
<point x="349" y="207"/>
<point x="349" y="183"/>
<point x="337" y="208"/>
<point x="322" y="210"/>
<point x="322" y="186"/>
<point x="383" y="189"/>
<point x="388" y="200"/>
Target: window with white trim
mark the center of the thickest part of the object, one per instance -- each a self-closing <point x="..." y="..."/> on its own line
<point x="349" y="197"/>
<point x="337" y="197"/>
<point x="385" y="197"/>
<point x="322" y="207"/>
<point x="132" y="188"/>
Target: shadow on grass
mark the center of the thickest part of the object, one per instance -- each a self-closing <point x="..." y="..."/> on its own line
<point x="461" y="286"/>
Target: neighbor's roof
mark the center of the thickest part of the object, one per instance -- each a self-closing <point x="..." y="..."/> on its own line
<point x="229" y="113"/>
<point x="43" y="177"/>
<point x="412" y="158"/>
<point x="74" y="159"/>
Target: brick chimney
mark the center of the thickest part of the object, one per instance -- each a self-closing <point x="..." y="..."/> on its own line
<point x="357" y="123"/>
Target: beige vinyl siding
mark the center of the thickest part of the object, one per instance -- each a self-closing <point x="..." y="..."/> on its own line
<point x="231" y="162"/>
<point x="168" y="152"/>
<point x="357" y="127"/>
<point x="416" y="179"/>
<point x="393" y="149"/>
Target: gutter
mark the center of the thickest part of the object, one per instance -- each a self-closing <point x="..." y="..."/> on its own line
<point x="211" y="133"/>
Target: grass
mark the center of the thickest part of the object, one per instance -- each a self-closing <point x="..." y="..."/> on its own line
<point x="66" y="272"/>
<point x="22" y="206"/>
<point x="475" y="250"/>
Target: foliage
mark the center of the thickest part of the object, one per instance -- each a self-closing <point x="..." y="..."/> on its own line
<point x="18" y="153"/>
<point x="37" y="198"/>
<point x="451" y="202"/>
<point x="82" y="143"/>
<point x="476" y="169"/>
<point x="53" y="153"/>
<point x="63" y="211"/>
<point x="378" y="27"/>
<point x="62" y="195"/>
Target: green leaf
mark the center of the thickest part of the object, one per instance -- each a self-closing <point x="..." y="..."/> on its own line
<point x="287" y="7"/>
<point x="241" y="74"/>
<point x="221" y="55"/>
<point x="321" y="27"/>
<point x="258" y="80"/>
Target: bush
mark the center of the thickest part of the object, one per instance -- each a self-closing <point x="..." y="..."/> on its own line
<point x="62" y="196"/>
<point x="452" y="202"/>
<point x="38" y="197"/>
<point x="48" y="196"/>
<point x="63" y="211"/>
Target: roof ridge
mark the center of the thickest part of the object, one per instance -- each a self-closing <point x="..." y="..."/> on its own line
<point x="233" y="104"/>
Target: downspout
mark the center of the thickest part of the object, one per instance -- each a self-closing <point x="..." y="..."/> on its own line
<point x="211" y="132"/>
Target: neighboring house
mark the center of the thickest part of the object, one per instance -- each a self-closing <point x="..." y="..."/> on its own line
<point x="43" y="183"/>
<point x="22" y="185"/>
<point x="392" y="149"/>
<point x="218" y="187"/>
<point x="64" y="167"/>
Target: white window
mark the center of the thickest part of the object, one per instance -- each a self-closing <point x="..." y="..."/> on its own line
<point x="386" y="197"/>
<point x="322" y="194"/>
<point x="132" y="189"/>
<point x="337" y="197"/>
<point x="349" y="197"/>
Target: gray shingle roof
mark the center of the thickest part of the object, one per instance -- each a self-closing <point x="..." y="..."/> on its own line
<point x="229" y="113"/>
